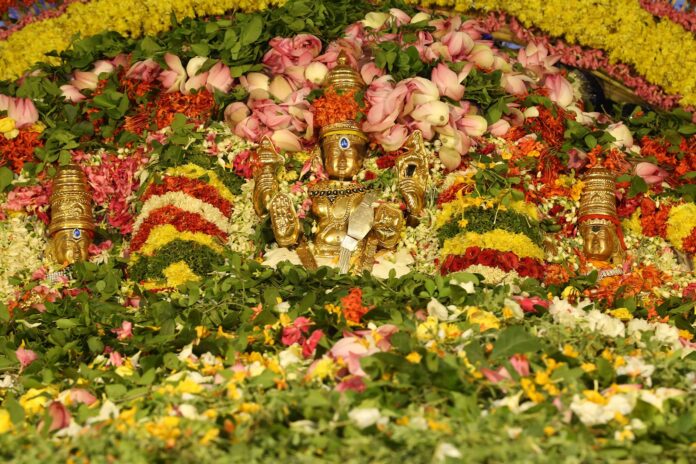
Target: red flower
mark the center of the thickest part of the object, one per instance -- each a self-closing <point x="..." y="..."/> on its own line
<point x="508" y="261"/>
<point x="353" y="309"/>
<point x="487" y="258"/>
<point x="310" y="345"/>
<point x="472" y="253"/>
<point x="194" y="187"/>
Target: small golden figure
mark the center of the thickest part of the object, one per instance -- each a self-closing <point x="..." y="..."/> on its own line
<point x="72" y="225"/>
<point x="600" y="227"/>
<point x="351" y="224"/>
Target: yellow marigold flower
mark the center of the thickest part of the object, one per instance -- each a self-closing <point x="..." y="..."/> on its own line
<point x="681" y="220"/>
<point x="621" y="313"/>
<point x="588" y="367"/>
<point x="569" y="351"/>
<point x="549" y="431"/>
<point x="166" y="233"/>
<point x="166" y="428"/>
<point x="323" y="368"/>
<point x="427" y="330"/>
<point x="620" y="418"/>
<point x="5" y="421"/>
<point x="686" y="335"/>
<point x="414" y="357"/>
<point x="497" y="239"/>
<point x="179" y="273"/>
<point x="595" y="397"/>
<point x="486" y="320"/>
<point x="209" y="436"/>
<point x="34" y="400"/>
<point x="8" y="128"/>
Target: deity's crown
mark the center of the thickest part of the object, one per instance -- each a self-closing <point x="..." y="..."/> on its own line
<point x="71" y="201"/>
<point x="348" y="127"/>
<point x="598" y="199"/>
<point x="343" y="78"/>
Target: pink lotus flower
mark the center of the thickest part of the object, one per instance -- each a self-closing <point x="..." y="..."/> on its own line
<point x="71" y="93"/>
<point x="370" y="72"/>
<point x="448" y="82"/>
<point x="515" y="83"/>
<point x="280" y="88"/>
<point x="125" y="331"/>
<point x="60" y="416"/>
<point x="25" y="357"/>
<point x="650" y="173"/>
<point x="84" y="80"/>
<point x="297" y="51"/>
<point x="435" y="113"/>
<point x="4" y="102"/>
<point x="257" y="84"/>
<point x="23" y="111"/>
<point x="146" y="71"/>
<point x="560" y="90"/>
<point x="473" y="125"/>
<point x="400" y="17"/>
<point x="482" y="55"/>
<point x="386" y="103"/>
<point x="235" y="113"/>
<point x="393" y="138"/>
<point x="249" y="128"/>
<point x="450" y="158"/>
<point x="102" y="67"/>
<point x="535" y="57"/>
<point x="622" y="135"/>
<point x="173" y="79"/>
<point x="459" y="44"/>
<point x="420" y="91"/>
<point x="219" y="78"/>
<point x="499" y="128"/>
<point x="286" y="140"/>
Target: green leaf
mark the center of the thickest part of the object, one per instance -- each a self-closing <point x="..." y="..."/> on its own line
<point x="252" y="30"/>
<point x="513" y="340"/>
<point x="638" y="185"/>
<point x="116" y="391"/>
<point x="66" y="323"/>
<point x="6" y="177"/>
<point x="591" y="141"/>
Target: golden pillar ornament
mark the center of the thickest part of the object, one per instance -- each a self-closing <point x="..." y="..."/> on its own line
<point x="72" y="225"/>
<point x="598" y="221"/>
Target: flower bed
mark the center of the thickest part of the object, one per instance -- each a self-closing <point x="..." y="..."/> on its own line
<point x="485" y="335"/>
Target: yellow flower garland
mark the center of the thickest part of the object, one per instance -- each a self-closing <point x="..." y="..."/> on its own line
<point x="661" y="51"/>
<point x="131" y="18"/>
<point x="461" y="203"/>
<point x="497" y="239"/>
<point x="681" y="221"/>
<point x="164" y="234"/>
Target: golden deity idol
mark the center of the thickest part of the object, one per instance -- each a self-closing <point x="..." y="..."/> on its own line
<point x="72" y="225"/>
<point x="599" y="223"/>
<point x="351" y="223"/>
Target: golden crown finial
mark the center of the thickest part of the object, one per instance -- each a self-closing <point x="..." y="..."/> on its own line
<point x="343" y="78"/>
<point x="598" y="195"/>
<point x="71" y="201"/>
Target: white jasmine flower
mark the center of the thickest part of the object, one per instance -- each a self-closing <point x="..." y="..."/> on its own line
<point x="365" y="417"/>
<point x="444" y="451"/>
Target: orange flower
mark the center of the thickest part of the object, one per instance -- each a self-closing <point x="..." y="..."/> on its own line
<point x="333" y="108"/>
<point x="352" y="306"/>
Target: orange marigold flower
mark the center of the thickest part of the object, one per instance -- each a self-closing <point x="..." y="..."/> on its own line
<point x="352" y="305"/>
<point x="333" y="108"/>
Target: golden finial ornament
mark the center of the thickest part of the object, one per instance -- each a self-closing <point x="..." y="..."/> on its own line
<point x="343" y="78"/>
<point x="599" y="223"/>
<point x="72" y="224"/>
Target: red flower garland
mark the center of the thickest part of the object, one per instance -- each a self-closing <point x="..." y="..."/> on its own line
<point x="194" y="187"/>
<point x="504" y="260"/>
<point x="184" y="221"/>
<point x="19" y="150"/>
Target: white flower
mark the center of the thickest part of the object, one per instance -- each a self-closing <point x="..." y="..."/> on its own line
<point x="565" y="313"/>
<point x="592" y="413"/>
<point x="636" y="367"/>
<point x="514" y="432"/>
<point x="657" y="397"/>
<point x="399" y="262"/>
<point x="667" y="334"/>
<point x="467" y="286"/>
<point x="375" y="19"/>
<point x="444" y="451"/>
<point x="305" y="426"/>
<point x="604" y="324"/>
<point x="365" y="417"/>
<point x="291" y="355"/>
<point x="278" y="255"/>
<point x="437" y="309"/>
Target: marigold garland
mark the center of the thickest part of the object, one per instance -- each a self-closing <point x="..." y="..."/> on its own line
<point x="131" y="18"/>
<point x="497" y="239"/>
<point x="637" y="39"/>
